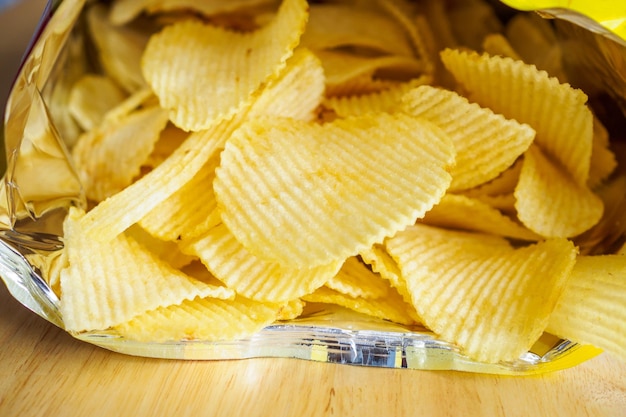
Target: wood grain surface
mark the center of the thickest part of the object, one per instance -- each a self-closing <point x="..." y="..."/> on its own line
<point x="45" y="372"/>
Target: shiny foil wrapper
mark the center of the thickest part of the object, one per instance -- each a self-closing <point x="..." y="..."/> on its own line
<point x="40" y="185"/>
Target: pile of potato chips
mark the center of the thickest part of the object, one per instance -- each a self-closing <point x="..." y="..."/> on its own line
<point x="422" y="162"/>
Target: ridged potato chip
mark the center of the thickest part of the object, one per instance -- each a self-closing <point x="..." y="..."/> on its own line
<point x="486" y="143"/>
<point x="106" y="284"/>
<point x="110" y="157"/>
<point x="383" y="264"/>
<point x="228" y="67"/>
<point x="91" y="98"/>
<point x="117" y="213"/>
<point x="549" y="202"/>
<point x="591" y="309"/>
<point x="519" y="91"/>
<point x="333" y="26"/>
<point x="461" y="212"/>
<point x="357" y="280"/>
<point x="392" y="307"/>
<point x="306" y="195"/>
<point x="209" y="319"/>
<point x="250" y="276"/>
<point x="490" y="299"/>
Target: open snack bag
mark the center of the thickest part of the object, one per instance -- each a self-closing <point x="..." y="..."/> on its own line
<point x="411" y="184"/>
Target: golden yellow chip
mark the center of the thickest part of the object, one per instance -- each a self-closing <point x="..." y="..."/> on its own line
<point x="250" y="276"/>
<point x="91" y="98"/>
<point x="468" y="288"/>
<point x="603" y="159"/>
<point x="461" y="212"/>
<point x="355" y="279"/>
<point x="498" y="44"/>
<point x="166" y="251"/>
<point x="486" y="143"/>
<point x="290" y="310"/>
<point x="117" y="213"/>
<point x="392" y="307"/>
<point x="334" y="26"/>
<point x="557" y="112"/>
<point x="343" y="68"/>
<point x="110" y="157"/>
<point x="383" y="264"/>
<point x="550" y="203"/>
<point x="119" y="48"/>
<point x="591" y="309"/>
<point x="109" y="283"/>
<point x="505" y="183"/>
<point x="228" y="67"/>
<point x="387" y="100"/>
<point x="207" y="319"/>
<point x="170" y="139"/>
<point x="355" y="182"/>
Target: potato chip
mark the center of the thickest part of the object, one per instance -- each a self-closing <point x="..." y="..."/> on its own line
<point x="392" y="307"/>
<point x="117" y="213"/>
<point x="171" y="138"/>
<point x="383" y="264"/>
<point x="591" y="309"/>
<point x="388" y="100"/>
<point x="341" y="68"/>
<point x="486" y="143"/>
<point x="119" y="48"/>
<point x="250" y="276"/>
<point x="603" y="159"/>
<point x="109" y="283"/>
<point x="124" y="11"/>
<point x="491" y="300"/>
<point x="207" y="319"/>
<point x="166" y="251"/>
<point x="550" y="203"/>
<point x="465" y="213"/>
<point x="557" y="112"/>
<point x="110" y="157"/>
<point x="498" y="44"/>
<point x="290" y="310"/>
<point x="505" y="183"/>
<point x="228" y="67"/>
<point x="334" y="26"/>
<point x="357" y="280"/>
<point x="303" y="194"/>
<point x="190" y="210"/>
<point x="91" y="98"/>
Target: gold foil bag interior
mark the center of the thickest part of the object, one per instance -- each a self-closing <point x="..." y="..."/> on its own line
<point x="40" y="184"/>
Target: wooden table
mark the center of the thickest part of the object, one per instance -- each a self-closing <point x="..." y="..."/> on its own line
<point x="45" y="372"/>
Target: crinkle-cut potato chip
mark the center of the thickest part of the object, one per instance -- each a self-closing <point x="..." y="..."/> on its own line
<point x="119" y="48"/>
<point x="392" y="307"/>
<point x="188" y="211"/>
<point x="109" y="283"/>
<point x="207" y="319"/>
<point x="227" y="67"/>
<point x="291" y="310"/>
<point x="343" y="67"/>
<point x="504" y="183"/>
<point x="383" y="264"/>
<point x="120" y="211"/>
<point x="490" y="299"/>
<point x="557" y="112"/>
<point x="357" y="280"/>
<point x="388" y="100"/>
<point x="304" y="194"/>
<point x="334" y="26"/>
<point x="297" y="92"/>
<point x="498" y="44"/>
<point x="250" y="276"/>
<point x="591" y="309"/>
<point x="359" y="85"/>
<point x="124" y="11"/>
<point x="486" y="142"/>
<point x="503" y="202"/>
<point x="550" y="202"/>
<point x="461" y="212"/>
<point x="171" y="138"/>
<point x="110" y="157"/>
<point x="91" y="98"/>
<point x="166" y="251"/>
<point x="603" y="160"/>
<point x="136" y="100"/>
